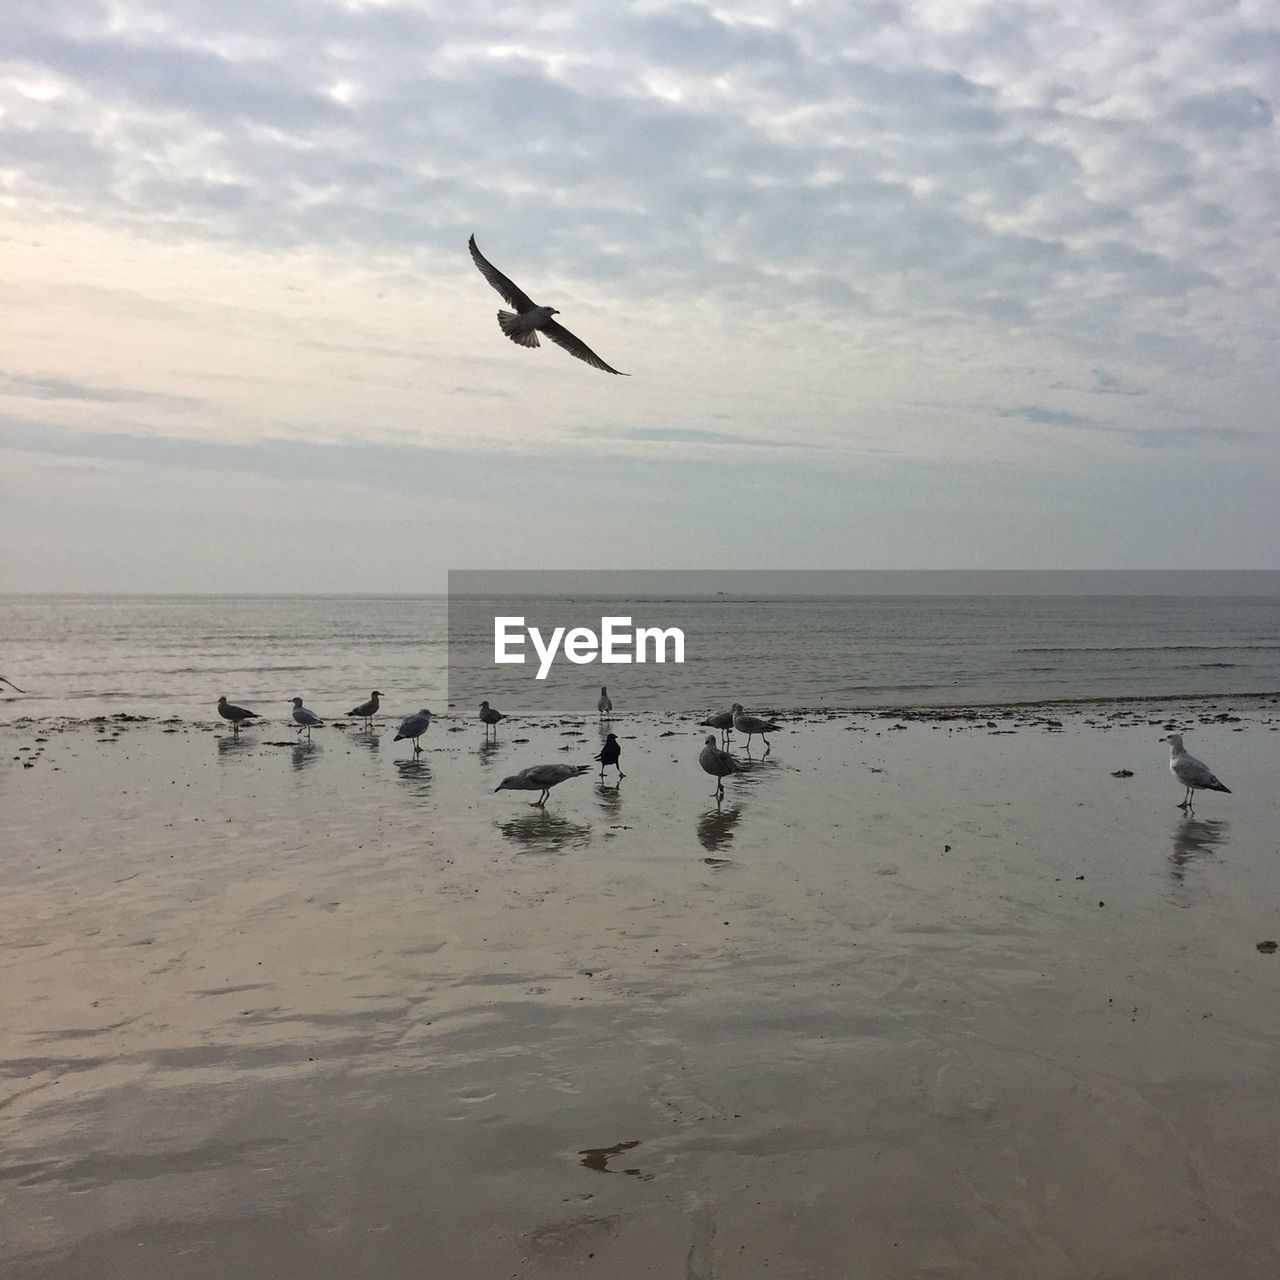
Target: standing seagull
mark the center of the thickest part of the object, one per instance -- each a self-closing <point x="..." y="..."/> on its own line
<point x="722" y="720"/>
<point x="609" y="754"/>
<point x="234" y="714"/>
<point x="488" y="717"/>
<point x="414" y="727"/>
<point x="1194" y="774"/>
<point x="719" y="764"/>
<point x="605" y="704"/>
<point x="305" y="719"/>
<point x="367" y="710"/>
<point x="5" y="680"/>
<point x="751" y="725"/>
<point x="541" y="777"/>
<point x="524" y="326"/>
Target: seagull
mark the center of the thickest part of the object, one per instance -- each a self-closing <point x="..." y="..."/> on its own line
<point x="719" y="764"/>
<point x="305" y="719"/>
<point x="489" y="716"/>
<point x="367" y="710"/>
<point x="541" y="777"/>
<point x="5" y="680"/>
<point x="722" y="720"/>
<point x="234" y="714"/>
<point x="1194" y="774"/>
<point x="751" y="725"/>
<point x="414" y="727"/>
<point x="609" y="754"/>
<point x="605" y="705"/>
<point x="524" y="325"/>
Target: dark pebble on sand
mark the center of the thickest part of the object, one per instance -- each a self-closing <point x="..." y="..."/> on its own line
<point x="1122" y="773"/>
<point x="1268" y="947"/>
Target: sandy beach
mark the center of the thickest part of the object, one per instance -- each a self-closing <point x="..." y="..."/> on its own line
<point x="924" y="997"/>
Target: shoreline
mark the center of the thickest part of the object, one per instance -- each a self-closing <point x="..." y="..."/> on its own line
<point x="925" y="711"/>
<point x="945" y="996"/>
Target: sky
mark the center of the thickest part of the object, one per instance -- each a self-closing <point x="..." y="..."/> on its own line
<point x="899" y="285"/>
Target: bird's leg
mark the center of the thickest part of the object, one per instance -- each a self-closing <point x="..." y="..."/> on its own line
<point x="621" y="775"/>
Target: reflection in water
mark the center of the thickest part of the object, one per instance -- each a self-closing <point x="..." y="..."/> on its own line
<point x="757" y="770"/>
<point x="232" y="744"/>
<point x="488" y="750"/>
<point x="369" y="738"/>
<point x="610" y="798"/>
<point x="1194" y="839"/>
<point x="546" y="831"/>
<point x="305" y="753"/>
<point x="415" y="773"/>
<point x="715" y="827"/>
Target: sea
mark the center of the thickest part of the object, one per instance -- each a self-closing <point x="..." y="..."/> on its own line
<point x="172" y="656"/>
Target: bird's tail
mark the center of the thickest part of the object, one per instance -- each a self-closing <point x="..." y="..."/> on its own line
<point x="509" y="323"/>
<point x="1214" y="785"/>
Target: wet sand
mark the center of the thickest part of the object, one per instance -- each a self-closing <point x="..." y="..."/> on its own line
<point x="925" y="996"/>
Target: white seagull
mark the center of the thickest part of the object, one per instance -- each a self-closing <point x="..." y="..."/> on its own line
<point x="719" y="764"/>
<point x="542" y="777"/>
<point x="1194" y="774"/>
<point x="529" y="319"/>
<point x="604" y="705"/>
<point x="751" y="725"/>
<point x="414" y="727"/>
<point x="305" y="719"/>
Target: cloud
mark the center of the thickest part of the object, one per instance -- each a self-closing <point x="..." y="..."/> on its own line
<point x="918" y="228"/>
<point x="38" y="387"/>
<point x="1148" y="437"/>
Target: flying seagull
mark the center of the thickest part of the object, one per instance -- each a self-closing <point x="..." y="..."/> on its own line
<point x="609" y="754"/>
<point x="367" y="710"/>
<point x="541" y="777"/>
<point x="524" y="325"/>
<point x="414" y="727"/>
<point x="305" y="719"/>
<point x="234" y="714"/>
<point x="1194" y="774"/>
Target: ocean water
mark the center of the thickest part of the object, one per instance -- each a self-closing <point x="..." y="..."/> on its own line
<point x="173" y="655"/>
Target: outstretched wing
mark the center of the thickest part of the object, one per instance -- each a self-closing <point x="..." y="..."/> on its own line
<point x="576" y="347"/>
<point x="513" y="296"/>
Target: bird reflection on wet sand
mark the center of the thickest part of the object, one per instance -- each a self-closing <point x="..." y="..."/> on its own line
<point x="610" y="797"/>
<point x="415" y="773"/>
<point x="715" y="828"/>
<point x="546" y="832"/>
<point x="305" y="753"/>
<point x="370" y="739"/>
<point x="232" y="744"/>
<point x="1194" y="839"/>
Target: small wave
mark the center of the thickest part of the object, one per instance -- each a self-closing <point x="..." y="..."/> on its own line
<point x="1150" y="648"/>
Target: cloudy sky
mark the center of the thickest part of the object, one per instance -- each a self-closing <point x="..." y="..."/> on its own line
<point x="912" y="283"/>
